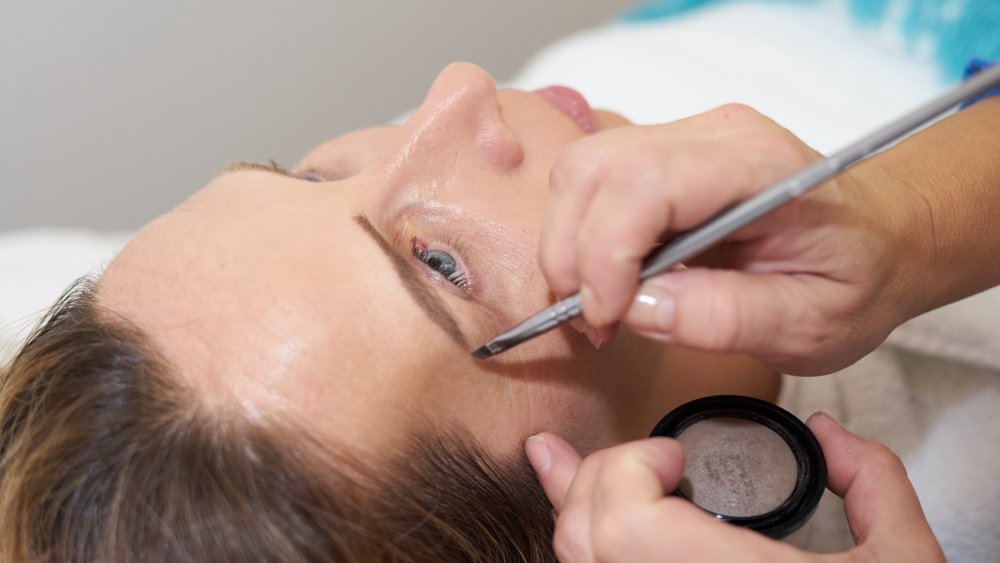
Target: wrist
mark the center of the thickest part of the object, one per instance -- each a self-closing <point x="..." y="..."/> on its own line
<point x="943" y="185"/>
<point x="904" y="228"/>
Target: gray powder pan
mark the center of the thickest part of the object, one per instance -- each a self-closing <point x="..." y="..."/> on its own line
<point x="747" y="462"/>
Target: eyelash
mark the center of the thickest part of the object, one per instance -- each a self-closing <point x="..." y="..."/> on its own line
<point x="431" y="257"/>
<point x="307" y="175"/>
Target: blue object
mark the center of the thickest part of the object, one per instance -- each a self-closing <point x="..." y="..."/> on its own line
<point x="972" y="69"/>
<point x="955" y="30"/>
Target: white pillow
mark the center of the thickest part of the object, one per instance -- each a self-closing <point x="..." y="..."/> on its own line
<point x="804" y="64"/>
<point x="37" y="266"/>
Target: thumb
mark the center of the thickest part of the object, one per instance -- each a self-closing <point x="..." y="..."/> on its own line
<point x="882" y="508"/>
<point x="555" y="462"/>
<point x="772" y="317"/>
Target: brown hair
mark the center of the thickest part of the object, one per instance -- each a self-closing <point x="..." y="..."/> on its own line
<point x="104" y="456"/>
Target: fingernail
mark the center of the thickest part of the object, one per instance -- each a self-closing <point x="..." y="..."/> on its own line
<point x="652" y="311"/>
<point x="579" y="325"/>
<point x="599" y="336"/>
<point x="538" y="453"/>
<point x="652" y="335"/>
<point x="825" y="418"/>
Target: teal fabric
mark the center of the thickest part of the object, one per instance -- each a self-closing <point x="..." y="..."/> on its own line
<point x="958" y="30"/>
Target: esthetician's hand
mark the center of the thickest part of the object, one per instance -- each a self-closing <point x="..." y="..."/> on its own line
<point x="808" y="289"/>
<point x="611" y="506"/>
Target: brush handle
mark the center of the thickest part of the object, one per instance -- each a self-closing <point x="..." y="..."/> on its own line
<point x="812" y="176"/>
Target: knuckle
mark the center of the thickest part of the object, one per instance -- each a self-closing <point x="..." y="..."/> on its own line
<point x="634" y="459"/>
<point x="780" y="146"/>
<point x="577" y="167"/>
<point x="592" y="253"/>
<point x="610" y="277"/>
<point x="638" y="170"/>
<point x="622" y="459"/>
<point x="600" y="261"/>
<point x="721" y="319"/>
<point x="886" y="458"/>
<point x="735" y="112"/>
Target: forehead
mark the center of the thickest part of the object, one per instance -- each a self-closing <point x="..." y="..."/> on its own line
<point x="346" y="154"/>
<point x="265" y="292"/>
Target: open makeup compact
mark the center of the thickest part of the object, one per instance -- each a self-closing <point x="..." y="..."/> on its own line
<point x="747" y="462"/>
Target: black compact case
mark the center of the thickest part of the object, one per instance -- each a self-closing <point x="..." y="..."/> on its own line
<point x="809" y="464"/>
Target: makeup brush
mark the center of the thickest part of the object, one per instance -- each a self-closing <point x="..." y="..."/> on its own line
<point x="755" y="207"/>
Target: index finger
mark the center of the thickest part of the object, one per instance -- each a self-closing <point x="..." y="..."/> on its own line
<point x="572" y="182"/>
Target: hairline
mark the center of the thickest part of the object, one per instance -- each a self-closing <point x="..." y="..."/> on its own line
<point x="436" y="458"/>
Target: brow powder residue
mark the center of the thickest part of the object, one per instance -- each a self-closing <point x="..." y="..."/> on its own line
<point x="736" y="467"/>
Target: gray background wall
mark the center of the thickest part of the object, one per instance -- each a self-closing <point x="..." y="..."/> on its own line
<point x="113" y="111"/>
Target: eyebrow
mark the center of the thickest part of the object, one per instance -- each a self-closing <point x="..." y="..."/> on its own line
<point x="418" y="288"/>
<point x="270" y="166"/>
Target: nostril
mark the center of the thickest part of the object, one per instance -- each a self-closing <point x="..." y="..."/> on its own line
<point x="500" y="147"/>
<point x="462" y="107"/>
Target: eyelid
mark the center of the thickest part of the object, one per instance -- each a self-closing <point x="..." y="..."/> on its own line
<point x="485" y="248"/>
<point x="311" y="175"/>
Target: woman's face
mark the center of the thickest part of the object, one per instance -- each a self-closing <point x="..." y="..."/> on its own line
<point x="348" y="299"/>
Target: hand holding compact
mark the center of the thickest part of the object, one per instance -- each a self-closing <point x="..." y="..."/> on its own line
<point x="787" y="289"/>
<point x="612" y="506"/>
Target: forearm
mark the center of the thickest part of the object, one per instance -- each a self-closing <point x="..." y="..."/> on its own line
<point x="948" y="179"/>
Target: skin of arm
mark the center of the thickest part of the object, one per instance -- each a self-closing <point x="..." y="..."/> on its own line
<point x="952" y="172"/>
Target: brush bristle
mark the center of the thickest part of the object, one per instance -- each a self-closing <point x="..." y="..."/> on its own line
<point x="482" y="352"/>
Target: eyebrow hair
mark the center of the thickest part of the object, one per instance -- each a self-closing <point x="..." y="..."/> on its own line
<point x="271" y="166"/>
<point x="305" y="174"/>
<point x="416" y="286"/>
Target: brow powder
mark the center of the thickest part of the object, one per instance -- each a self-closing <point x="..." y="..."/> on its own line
<point x="736" y="467"/>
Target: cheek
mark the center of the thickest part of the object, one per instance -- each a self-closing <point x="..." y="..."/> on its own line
<point x="505" y="415"/>
<point x="578" y="413"/>
<point x="502" y="404"/>
<point x="558" y="391"/>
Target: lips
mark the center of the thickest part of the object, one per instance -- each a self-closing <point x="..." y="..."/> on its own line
<point x="573" y="104"/>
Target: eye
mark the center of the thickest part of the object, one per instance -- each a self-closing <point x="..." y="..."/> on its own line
<point x="442" y="263"/>
<point x="308" y="176"/>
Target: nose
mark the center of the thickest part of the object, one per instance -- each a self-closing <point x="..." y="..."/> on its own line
<point x="461" y="112"/>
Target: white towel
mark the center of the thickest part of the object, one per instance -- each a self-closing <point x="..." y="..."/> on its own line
<point x="36" y="266"/>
